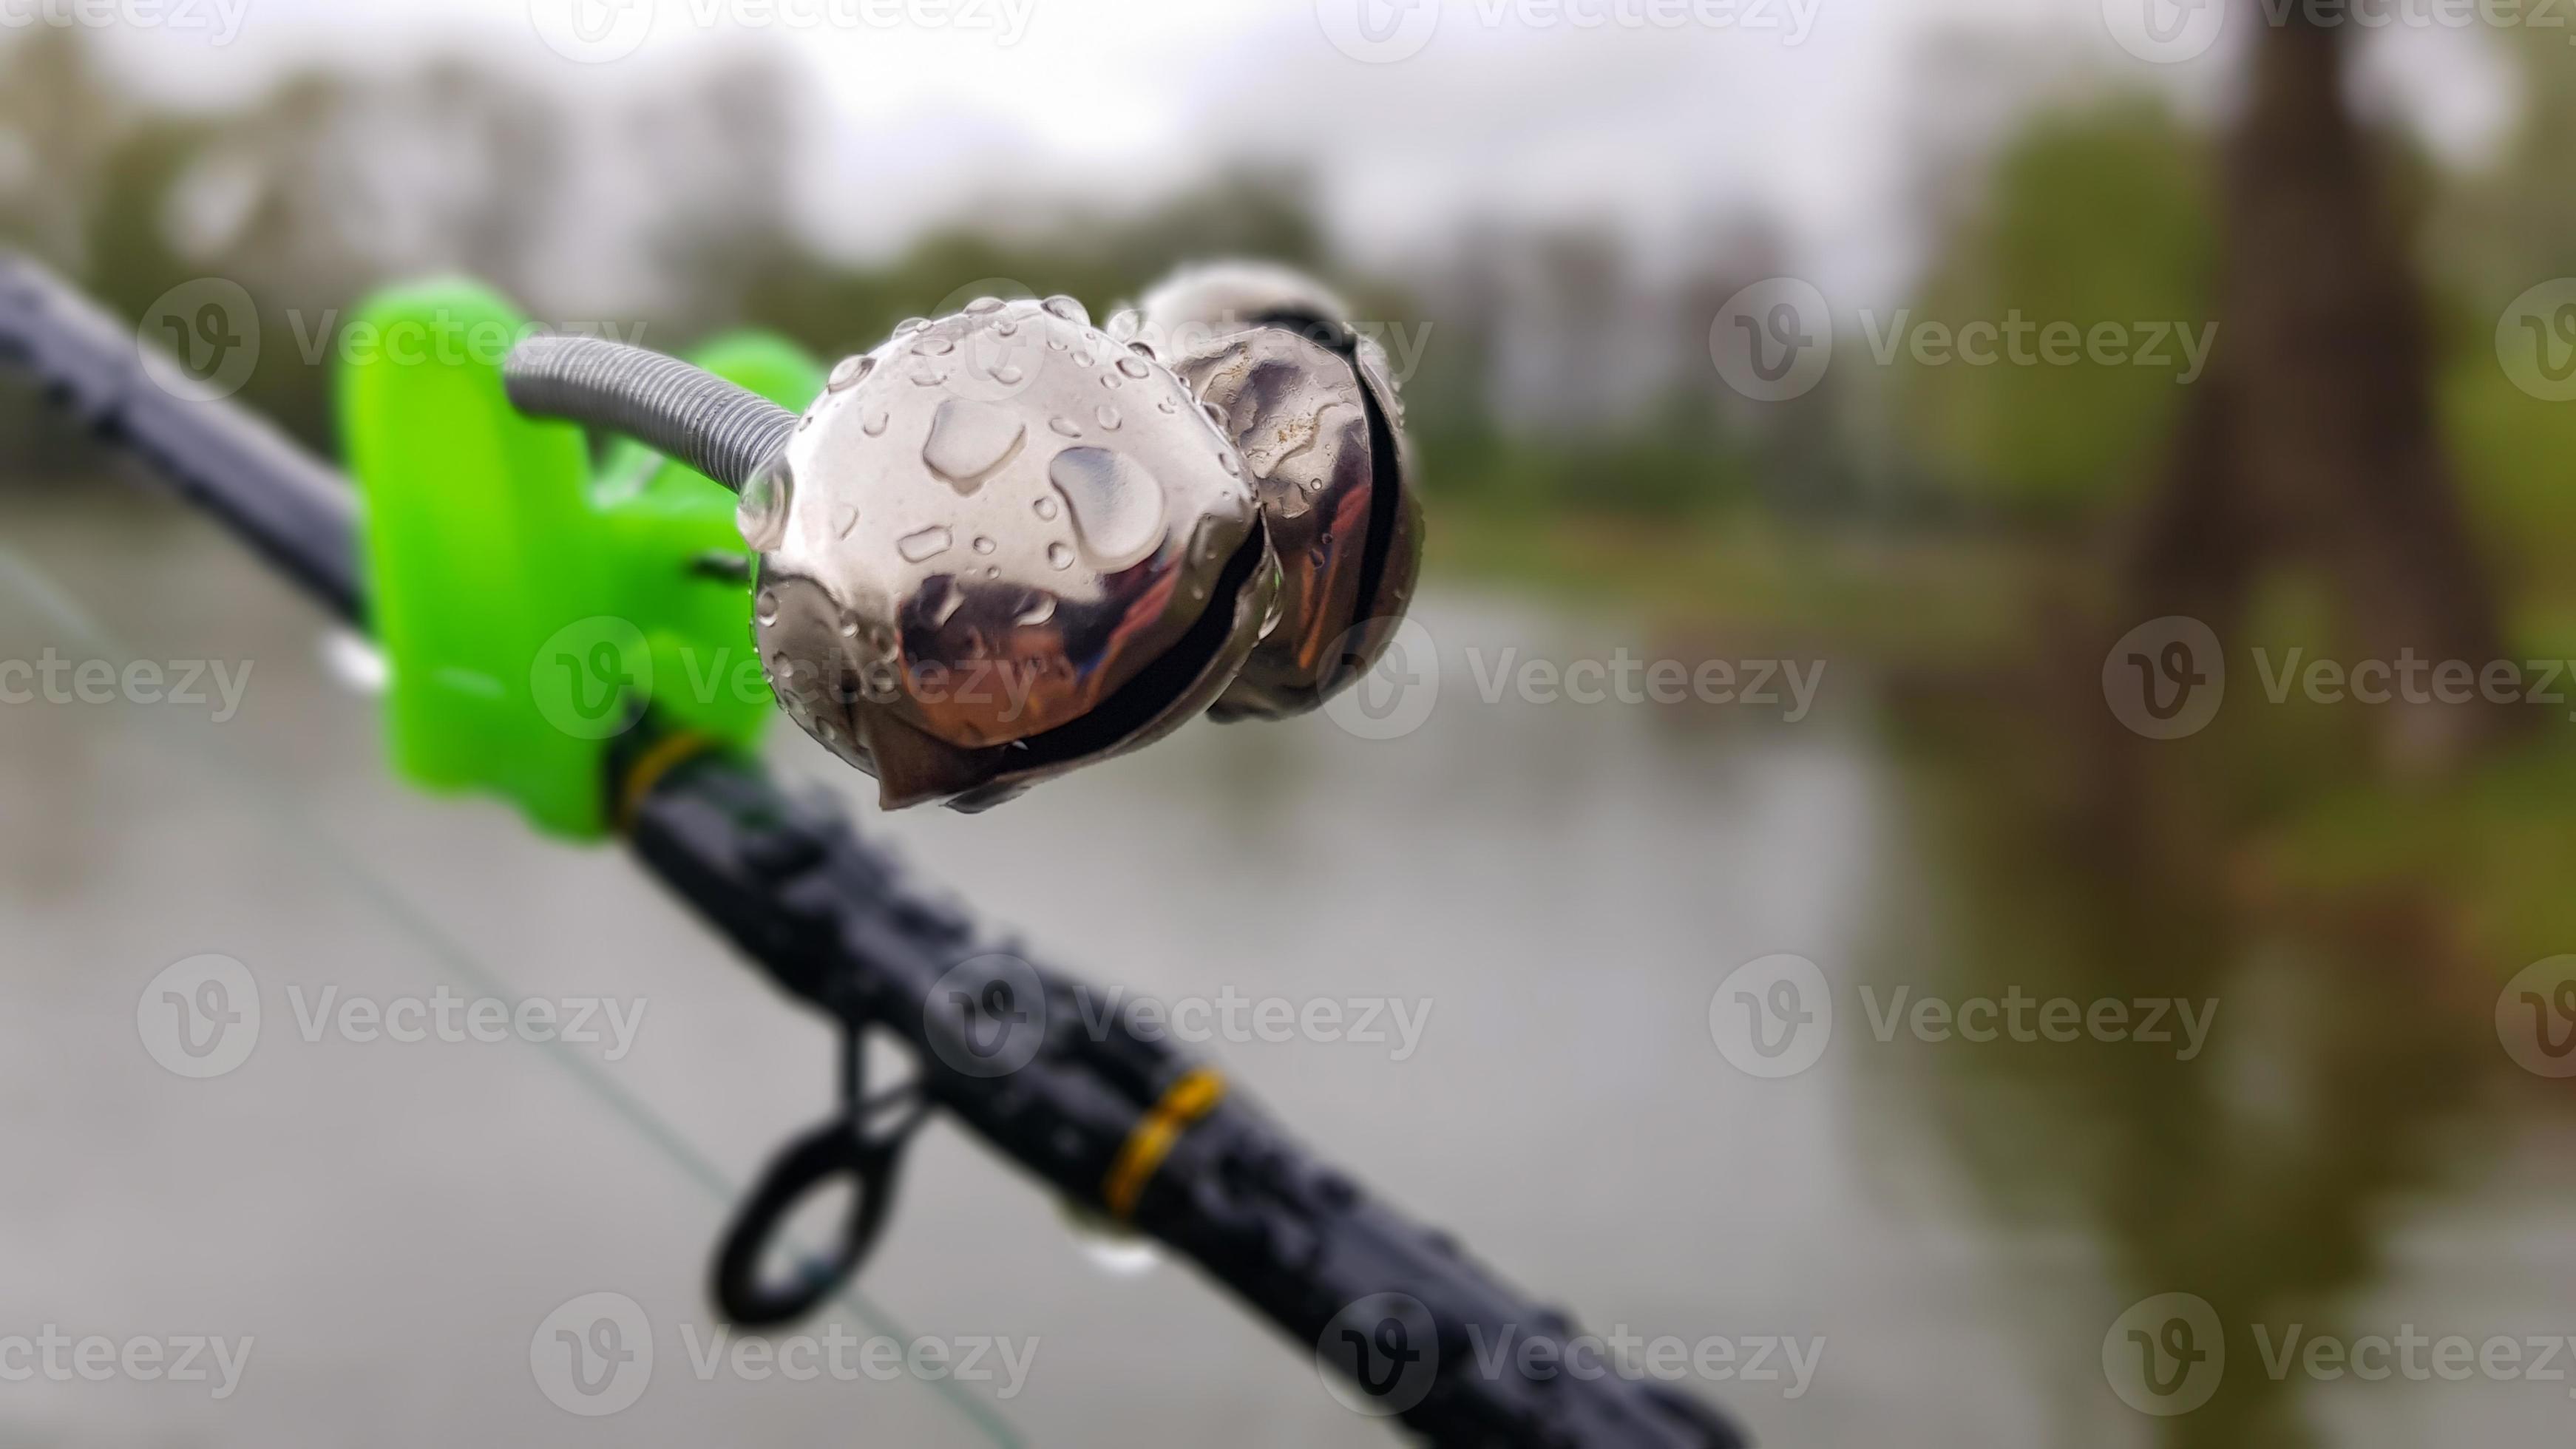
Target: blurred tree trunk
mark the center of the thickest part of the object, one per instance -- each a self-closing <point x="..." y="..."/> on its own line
<point x="2313" y="438"/>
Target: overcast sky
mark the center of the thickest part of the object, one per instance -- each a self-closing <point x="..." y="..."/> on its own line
<point x="1810" y="112"/>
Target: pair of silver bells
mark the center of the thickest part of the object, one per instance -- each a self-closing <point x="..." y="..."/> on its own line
<point x="1006" y="543"/>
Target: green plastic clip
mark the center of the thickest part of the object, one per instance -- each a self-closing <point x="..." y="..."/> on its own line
<point x="531" y="606"/>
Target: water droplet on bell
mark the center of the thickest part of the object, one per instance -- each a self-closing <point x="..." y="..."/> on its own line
<point x="910" y="325"/>
<point x="1117" y="506"/>
<point x="1065" y="427"/>
<point x="985" y="304"/>
<point x="930" y="377"/>
<point x="928" y="543"/>
<point x="1059" y="555"/>
<point x="767" y="606"/>
<point x="1109" y="380"/>
<point x="992" y="573"/>
<point x="1035" y="609"/>
<point x="761" y="516"/>
<point x="940" y="599"/>
<point x="1106" y="416"/>
<point x="874" y="425"/>
<point x="1008" y="373"/>
<point x="1046" y="507"/>
<point x="1068" y="309"/>
<point x="849" y="628"/>
<point x="935" y="346"/>
<point x="1143" y="349"/>
<point x="1165" y="405"/>
<point x="844" y="518"/>
<point x="1133" y="366"/>
<point x="1233" y="464"/>
<point x="1082" y="357"/>
<point x="984" y="545"/>
<point x="969" y="439"/>
<point x="849" y="370"/>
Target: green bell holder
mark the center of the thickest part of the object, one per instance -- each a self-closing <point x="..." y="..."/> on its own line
<point x="529" y="604"/>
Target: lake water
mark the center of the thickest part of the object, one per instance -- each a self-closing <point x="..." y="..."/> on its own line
<point x="1552" y="894"/>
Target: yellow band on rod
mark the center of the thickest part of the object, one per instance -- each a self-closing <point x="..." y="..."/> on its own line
<point x="1192" y="1097"/>
<point x="667" y="754"/>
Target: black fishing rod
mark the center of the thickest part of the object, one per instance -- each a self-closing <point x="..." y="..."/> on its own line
<point x="1121" y="1127"/>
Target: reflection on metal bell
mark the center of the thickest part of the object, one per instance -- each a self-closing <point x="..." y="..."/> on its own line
<point x="999" y="547"/>
<point x="1005" y="544"/>
<point x="1313" y="407"/>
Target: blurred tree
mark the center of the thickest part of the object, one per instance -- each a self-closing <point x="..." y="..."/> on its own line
<point x="2100" y="216"/>
<point x="2313" y="440"/>
<point x="58" y="118"/>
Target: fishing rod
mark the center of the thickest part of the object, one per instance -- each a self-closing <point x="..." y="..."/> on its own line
<point x="1229" y="531"/>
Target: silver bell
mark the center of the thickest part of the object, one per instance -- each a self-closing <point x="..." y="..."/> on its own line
<point x="1001" y="546"/>
<point x="1313" y="407"/>
<point x="1005" y="544"/>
